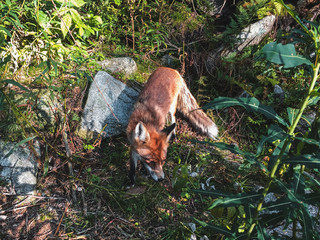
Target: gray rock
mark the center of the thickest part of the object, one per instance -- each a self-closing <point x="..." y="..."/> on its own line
<point x="167" y="60"/>
<point x="18" y="167"/>
<point x="125" y="65"/>
<point x="279" y="93"/>
<point x="47" y="108"/>
<point x="244" y="94"/>
<point x="249" y="36"/>
<point x="109" y="106"/>
<point x="254" y="33"/>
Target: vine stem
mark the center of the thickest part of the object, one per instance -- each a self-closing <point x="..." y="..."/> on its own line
<point x="285" y="146"/>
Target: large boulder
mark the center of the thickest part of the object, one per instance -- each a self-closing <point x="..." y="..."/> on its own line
<point x="125" y="65"/>
<point x="18" y="167"/>
<point x="108" y="108"/>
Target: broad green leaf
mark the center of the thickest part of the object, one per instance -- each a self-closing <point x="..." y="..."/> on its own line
<point x="315" y="96"/>
<point x="279" y="205"/>
<point x="13" y="82"/>
<point x="218" y="229"/>
<point x="312" y="179"/>
<point x="216" y="194"/>
<point x="292" y="197"/>
<point x="307" y="223"/>
<point x="17" y="22"/>
<point x="81" y="31"/>
<point x="236" y="200"/>
<point x="298" y="180"/>
<point x="262" y="233"/>
<point x="43" y="21"/>
<point x="6" y="31"/>
<point x="310" y="160"/>
<point x="250" y="104"/>
<point x="274" y="133"/>
<point x="98" y="19"/>
<point x="55" y="66"/>
<point x="5" y="60"/>
<point x="117" y="2"/>
<point x="78" y="3"/>
<point x="18" y="144"/>
<point x="71" y="3"/>
<point x="292" y="114"/>
<point x="315" y="93"/>
<point x="66" y="24"/>
<point x="277" y="150"/>
<point x="249" y="157"/>
<point x="309" y="141"/>
<point x="283" y="54"/>
<point x="76" y="18"/>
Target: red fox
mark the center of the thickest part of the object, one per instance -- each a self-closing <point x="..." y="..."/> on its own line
<point x="163" y="94"/>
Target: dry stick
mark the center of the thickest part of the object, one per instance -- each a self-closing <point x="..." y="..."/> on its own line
<point x="59" y="16"/>
<point x="85" y="205"/>
<point x="68" y="152"/>
<point x="65" y="210"/>
<point x="131" y="2"/>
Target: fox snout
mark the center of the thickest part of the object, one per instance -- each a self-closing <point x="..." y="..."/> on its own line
<point x="155" y="172"/>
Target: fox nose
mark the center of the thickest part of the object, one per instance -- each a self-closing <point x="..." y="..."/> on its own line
<point x="160" y="179"/>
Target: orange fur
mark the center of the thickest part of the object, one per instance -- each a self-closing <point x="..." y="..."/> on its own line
<point x="163" y="94"/>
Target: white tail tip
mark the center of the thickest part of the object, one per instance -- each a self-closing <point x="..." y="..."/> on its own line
<point x="213" y="132"/>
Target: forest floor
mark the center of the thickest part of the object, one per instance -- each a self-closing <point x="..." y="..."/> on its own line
<point x="95" y="204"/>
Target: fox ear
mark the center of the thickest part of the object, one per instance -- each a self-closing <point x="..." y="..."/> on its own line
<point x="169" y="131"/>
<point x="141" y="133"/>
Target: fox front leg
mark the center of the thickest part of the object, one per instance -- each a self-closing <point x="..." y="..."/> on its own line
<point x="133" y="166"/>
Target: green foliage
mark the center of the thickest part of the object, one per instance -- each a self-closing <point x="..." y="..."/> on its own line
<point x="247" y="12"/>
<point x="250" y="104"/>
<point x="272" y="7"/>
<point x="283" y="54"/>
<point x="291" y="198"/>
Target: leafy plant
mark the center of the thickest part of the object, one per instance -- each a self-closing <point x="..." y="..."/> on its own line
<point x="292" y="200"/>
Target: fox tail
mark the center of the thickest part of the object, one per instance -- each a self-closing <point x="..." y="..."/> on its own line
<point x="190" y="109"/>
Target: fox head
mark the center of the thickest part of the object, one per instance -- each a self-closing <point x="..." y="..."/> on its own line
<point x="150" y="147"/>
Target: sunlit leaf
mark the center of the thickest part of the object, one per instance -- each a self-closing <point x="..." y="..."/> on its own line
<point x="17" y="145"/>
<point x="310" y="160"/>
<point x="230" y="200"/>
<point x="78" y="3"/>
<point x="15" y="83"/>
<point x="292" y="114"/>
<point x="283" y="54"/>
<point x="76" y="18"/>
<point x="274" y="133"/>
<point x="98" y="19"/>
<point x="218" y="229"/>
<point x="66" y="24"/>
<point x="250" y="104"/>
<point x="6" y="31"/>
<point x="71" y="3"/>
<point x="117" y="2"/>
<point x="309" y="141"/>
